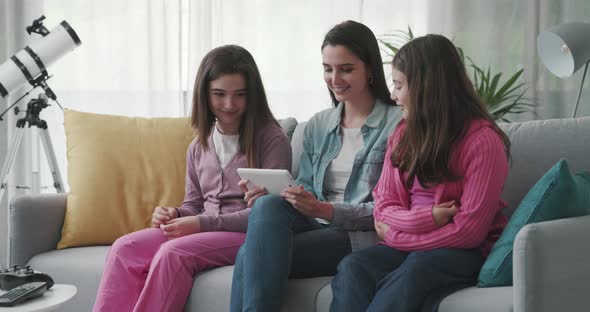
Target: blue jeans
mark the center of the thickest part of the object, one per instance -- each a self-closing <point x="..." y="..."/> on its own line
<point x="281" y="243"/>
<point x="381" y="278"/>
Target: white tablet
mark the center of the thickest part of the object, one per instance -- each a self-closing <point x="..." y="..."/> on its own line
<point x="274" y="180"/>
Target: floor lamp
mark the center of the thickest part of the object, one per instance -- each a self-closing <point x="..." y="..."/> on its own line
<point x="564" y="49"/>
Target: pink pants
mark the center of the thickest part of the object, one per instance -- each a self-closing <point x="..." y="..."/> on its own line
<point x="145" y="272"/>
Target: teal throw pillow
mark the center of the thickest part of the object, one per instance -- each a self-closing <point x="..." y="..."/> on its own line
<point x="556" y="195"/>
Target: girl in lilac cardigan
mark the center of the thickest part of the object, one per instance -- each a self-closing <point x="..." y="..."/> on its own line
<point x="437" y="202"/>
<point x="153" y="269"/>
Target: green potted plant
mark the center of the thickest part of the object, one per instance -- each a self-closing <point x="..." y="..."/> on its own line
<point x="501" y="98"/>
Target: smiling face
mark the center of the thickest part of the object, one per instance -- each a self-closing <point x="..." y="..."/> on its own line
<point x="228" y="101"/>
<point x="400" y="92"/>
<point x="345" y="74"/>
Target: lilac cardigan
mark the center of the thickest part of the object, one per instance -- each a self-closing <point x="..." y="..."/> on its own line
<point x="213" y="194"/>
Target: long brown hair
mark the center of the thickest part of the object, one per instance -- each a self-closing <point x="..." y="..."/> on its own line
<point x="226" y="60"/>
<point x="361" y="41"/>
<point x="442" y="103"/>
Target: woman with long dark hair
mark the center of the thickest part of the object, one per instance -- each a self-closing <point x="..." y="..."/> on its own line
<point x="309" y="228"/>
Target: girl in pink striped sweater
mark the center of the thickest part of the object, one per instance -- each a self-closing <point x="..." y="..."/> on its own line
<point x="437" y="203"/>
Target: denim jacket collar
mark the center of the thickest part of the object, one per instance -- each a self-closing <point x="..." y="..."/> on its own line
<point x="373" y="120"/>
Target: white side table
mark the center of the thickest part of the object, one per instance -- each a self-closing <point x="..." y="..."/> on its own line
<point x="50" y="301"/>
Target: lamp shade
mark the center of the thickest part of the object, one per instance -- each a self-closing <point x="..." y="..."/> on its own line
<point x="565" y="48"/>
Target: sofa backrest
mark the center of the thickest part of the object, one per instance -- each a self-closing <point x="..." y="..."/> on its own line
<point x="297" y="147"/>
<point x="536" y="146"/>
<point x="288" y="125"/>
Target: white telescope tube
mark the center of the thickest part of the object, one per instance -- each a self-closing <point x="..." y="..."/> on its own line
<point x="34" y="59"/>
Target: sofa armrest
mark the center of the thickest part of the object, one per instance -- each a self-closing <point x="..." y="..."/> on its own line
<point x="35" y="223"/>
<point x="552" y="266"/>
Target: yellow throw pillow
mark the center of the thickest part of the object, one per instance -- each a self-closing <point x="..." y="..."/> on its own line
<point x="119" y="169"/>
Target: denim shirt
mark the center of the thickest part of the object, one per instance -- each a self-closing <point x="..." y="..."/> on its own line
<point x="321" y="144"/>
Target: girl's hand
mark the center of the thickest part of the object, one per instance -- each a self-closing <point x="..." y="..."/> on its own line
<point x="381" y="229"/>
<point x="307" y="204"/>
<point x="162" y="215"/>
<point x="250" y="196"/>
<point x="180" y="227"/>
<point x="443" y="213"/>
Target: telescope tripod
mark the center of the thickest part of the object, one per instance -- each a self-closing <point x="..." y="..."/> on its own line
<point x="32" y="118"/>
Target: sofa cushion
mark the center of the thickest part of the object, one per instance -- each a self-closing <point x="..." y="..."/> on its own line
<point x="473" y="299"/>
<point x="536" y="146"/>
<point x="212" y="289"/>
<point x="497" y="299"/>
<point x="297" y="147"/>
<point x="288" y="125"/>
<point x="556" y="195"/>
<point x="119" y="169"/>
<point x="81" y="267"/>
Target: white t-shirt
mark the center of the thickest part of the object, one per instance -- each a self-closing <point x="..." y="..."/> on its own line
<point x="226" y="146"/>
<point x="339" y="169"/>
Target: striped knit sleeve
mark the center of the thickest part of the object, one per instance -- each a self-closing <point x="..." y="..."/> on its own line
<point x="485" y="165"/>
<point x="389" y="207"/>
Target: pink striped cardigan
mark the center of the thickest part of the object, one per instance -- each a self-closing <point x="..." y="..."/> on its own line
<point x="480" y="159"/>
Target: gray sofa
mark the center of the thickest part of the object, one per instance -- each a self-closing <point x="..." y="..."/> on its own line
<point x="551" y="259"/>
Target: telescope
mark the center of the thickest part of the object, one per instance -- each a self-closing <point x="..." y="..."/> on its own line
<point x="30" y="65"/>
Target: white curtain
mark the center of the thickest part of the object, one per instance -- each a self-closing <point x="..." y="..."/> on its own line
<point x="503" y="35"/>
<point x="140" y="58"/>
<point x="130" y="63"/>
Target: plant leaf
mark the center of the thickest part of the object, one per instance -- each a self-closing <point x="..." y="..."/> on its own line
<point x="389" y="46"/>
<point x="510" y="82"/>
<point x="500" y="98"/>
